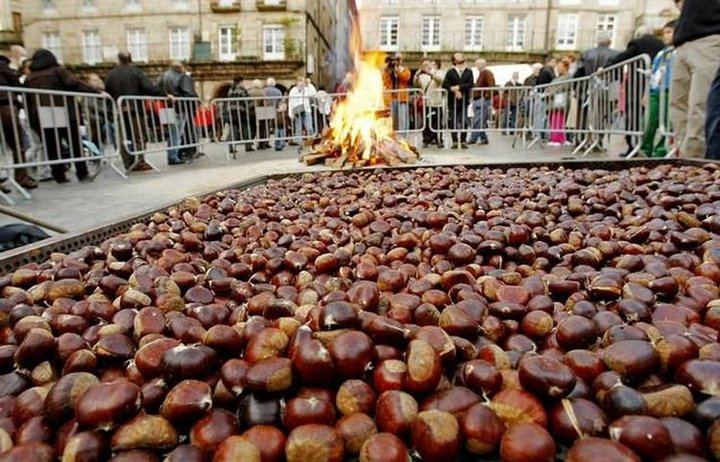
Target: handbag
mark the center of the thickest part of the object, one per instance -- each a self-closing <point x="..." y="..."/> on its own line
<point x="559" y="101"/>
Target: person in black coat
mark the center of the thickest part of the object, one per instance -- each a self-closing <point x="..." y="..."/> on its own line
<point x="127" y="80"/>
<point x="61" y="140"/>
<point x="644" y="43"/>
<point x="458" y="83"/>
<point x="11" y="130"/>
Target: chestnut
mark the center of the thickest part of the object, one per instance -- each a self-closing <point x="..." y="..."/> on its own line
<point x="314" y="442"/>
<point x="482" y="429"/>
<point x="647" y="436"/>
<point x="686" y="437"/>
<point x="213" y="429"/>
<point x="395" y="411"/>
<point x="104" y="405"/>
<point x="383" y="447"/>
<point x="436" y="435"/>
<point x="186" y="402"/>
<point x="355" y="429"/>
<point x="593" y="449"/>
<point x="571" y="416"/>
<point x="546" y="376"/>
<point x="527" y="442"/>
<point x="514" y="406"/>
<point x="303" y="411"/>
<point x="631" y="359"/>
<point x="270" y="441"/>
<point x="355" y="396"/>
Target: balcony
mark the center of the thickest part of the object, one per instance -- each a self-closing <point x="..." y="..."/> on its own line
<point x="271" y="5"/>
<point x="10" y="37"/>
<point x="225" y="6"/>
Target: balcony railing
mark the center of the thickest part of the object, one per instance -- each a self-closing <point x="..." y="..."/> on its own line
<point x="225" y="6"/>
<point x="10" y="37"/>
<point x="271" y="5"/>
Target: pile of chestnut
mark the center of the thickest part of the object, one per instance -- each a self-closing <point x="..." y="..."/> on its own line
<point x="522" y="314"/>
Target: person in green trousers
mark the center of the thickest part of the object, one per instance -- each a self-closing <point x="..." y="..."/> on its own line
<point x="660" y="81"/>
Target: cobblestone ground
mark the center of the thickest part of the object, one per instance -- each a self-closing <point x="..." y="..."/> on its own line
<point x="76" y="207"/>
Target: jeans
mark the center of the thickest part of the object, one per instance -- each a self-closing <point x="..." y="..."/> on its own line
<point x="279" y="139"/>
<point x="175" y="135"/>
<point x="457" y="119"/>
<point x="400" y="115"/>
<point x="300" y="121"/>
<point x="509" y="118"/>
<point x="481" y="107"/>
<point x="712" y="126"/>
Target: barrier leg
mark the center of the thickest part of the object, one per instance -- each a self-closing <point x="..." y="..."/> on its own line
<point x="579" y="147"/>
<point x="11" y="181"/>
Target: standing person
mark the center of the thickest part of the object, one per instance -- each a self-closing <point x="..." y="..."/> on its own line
<point x="482" y="102"/>
<point x="59" y="141"/>
<point x="540" y="103"/>
<point x="241" y="128"/>
<point x="644" y="43"/>
<point x="273" y="98"/>
<point x="127" y="80"/>
<point x="396" y="80"/>
<point x="697" y="40"/>
<point x="660" y="81"/>
<point x="12" y="132"/>
<point x="176" y="82"/>
<point x="458" y="83"/>
<point x="712" y="125"/>
<point x="512" y="99"/>
<point x="262" y="124"/>
<point x="598" y="57"/>
<point x="560" y="97"/>
<point x="300" y="108"/>
<point x="429" y="80"/>
<point x="18" y="55"/>
<point x="323" y="106"/>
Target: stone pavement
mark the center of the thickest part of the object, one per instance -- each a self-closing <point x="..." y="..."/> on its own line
<point x="110" y="198"/>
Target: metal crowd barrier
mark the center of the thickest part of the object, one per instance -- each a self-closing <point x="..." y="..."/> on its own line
<point x="175" y="125"/>
<point x="44" y="129"/>
<point x="471" y="116"/>
<point x="580" y="112"/>
<point x="263" y="120"/>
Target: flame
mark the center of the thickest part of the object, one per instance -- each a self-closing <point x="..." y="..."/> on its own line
<point x="356" y="121"/>
<point x="361" y="128"/>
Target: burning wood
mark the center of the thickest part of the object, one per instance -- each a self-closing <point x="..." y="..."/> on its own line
<point x="361" y="131"/>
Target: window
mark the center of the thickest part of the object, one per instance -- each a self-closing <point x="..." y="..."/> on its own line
<point x="606" y="26"/>
<point x="52" y="42"/>
<point x="179" y="43"/>
<point x="92" y="47"/>
<point x="567" y="31"/>
<point x="473" y="33"/>
<point x="227" y="43"/>
<point x="389" y="33"/>
<point x="272" y="2"/>
<point x="274" y="42"/>
<point x="608" y="2"/>
<point x="431" y="33"/>
<point x="226" y="3"/>
<point x="137" y="44"/>
<point x="48" y="6"/>
<point x="132" y="5"/>
<point x="515" y="40"/>
<point x="88" y="4"/>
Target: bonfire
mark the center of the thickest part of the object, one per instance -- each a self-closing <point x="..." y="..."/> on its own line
<point x="360" y="132"/>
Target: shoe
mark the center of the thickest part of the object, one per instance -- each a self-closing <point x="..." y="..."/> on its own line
<point x="568" y="143"/>
<point x="3" y="188"/>
<point x="484" y="142"/>
<point x="143" y="167"/>
<point x="553" y="143"/>
<point x="463" y="146"/>
<point x="456" y="146"/>
<point x="62" y="180"/>
<point x="25" y="180"/>
<point x="249" y="149"/>
<point x="175" y="162"/>
<point x="85" y="179"/>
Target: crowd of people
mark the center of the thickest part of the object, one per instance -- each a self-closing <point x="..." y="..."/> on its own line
<point x="554" y="104"/>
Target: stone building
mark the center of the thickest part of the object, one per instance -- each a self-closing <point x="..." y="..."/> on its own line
<point x="11" y="24"/>
<point x="219" y="38"/>
<point x="502" y="30"/>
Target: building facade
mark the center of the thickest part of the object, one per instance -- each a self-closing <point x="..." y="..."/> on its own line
<point x="657" y="13"/>
<point x="11" y="24"/>
<point x="219" y="38"/>
<point x="502" y="30"/>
